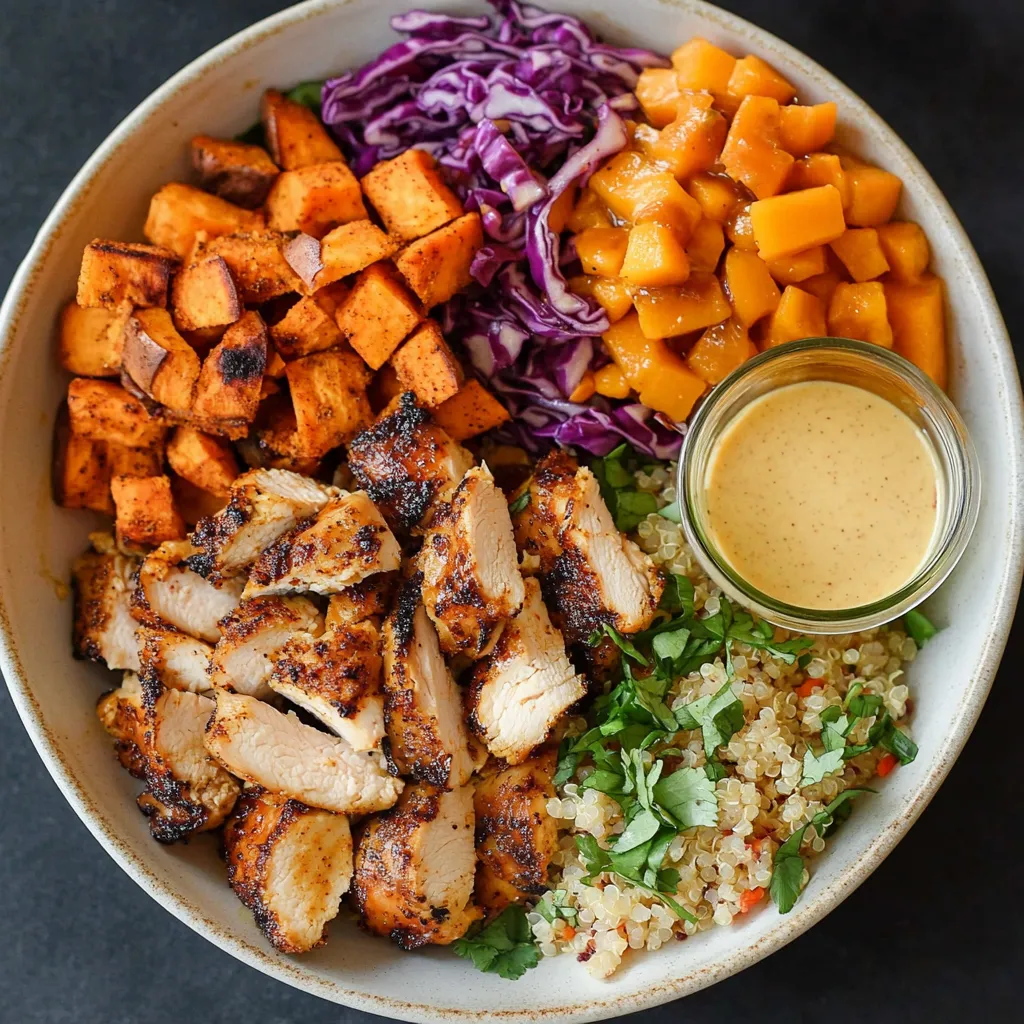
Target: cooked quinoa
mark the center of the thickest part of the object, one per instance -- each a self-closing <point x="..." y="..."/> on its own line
<point x="726" y="870"/>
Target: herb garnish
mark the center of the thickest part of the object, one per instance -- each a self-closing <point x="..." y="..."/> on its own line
<point x="919" y="626"/>
<point x="505" y="947"/>
<point x="628" y="505"/>
<point x="308" y="94"/>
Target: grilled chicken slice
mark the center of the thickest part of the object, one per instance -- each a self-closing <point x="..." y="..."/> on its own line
<point x="169" y="592"/>
<point x="427" y="735"/>
<point x="174" y="659"/>
<point x="253" y="635"/>
<point x="515" y="837"/>
<point x="159" y="735"/>
<point x="521" y="689"/>
<point x="369" y="599"/>
<point x="471" y="580"/>
<point x="290" y="865"/>
<point x="264" y="504"/>
<point x="104" y="629"/>
<point x="407" y="463"/>
<point x="336" y="677"/>
<point x="414" y="867"/>
<point x="261" y="745"/>
<point x="344" y="543"/>
<point x="538" y="523"/>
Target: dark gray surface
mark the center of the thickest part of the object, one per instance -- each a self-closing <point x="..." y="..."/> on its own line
<point x="933" y="935"/>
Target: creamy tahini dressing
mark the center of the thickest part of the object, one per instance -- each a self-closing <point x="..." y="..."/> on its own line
<point x="823" y="495"/>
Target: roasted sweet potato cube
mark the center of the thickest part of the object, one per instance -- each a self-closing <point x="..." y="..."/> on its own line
<point x="91" y="340"/>
<point x="204" y="295"/>
<point x="315" y="199"/>
<point x="328" y="392"/>
<point x="177" y="212"/>
<point x="426" y="365"/>
<point x="236" y="171"/>
<point x="193" y="502"/>
<point x="257" y="264"/>
<point x="350" y="248"/>
<point x="273" y="442"/>
<point x="146" y="515"/>
<point x="332" y="297"/>
<point x="437" y="266"/>
<point x="126" y="461"/>
<point x="159" y="360"/>
<point x="305" y="328"/>
<point x="207" y="462"/>
<point x="116" y="272"/>
<point x="470" y="412"/>
<point x="81" y="473"/>
<point x="275" y="365"/>
<point x="410" y="196"/>
<point x="294" y="133"/>
<point x="103" y="411"/>
<point x="378" y="313"/>
<point x="228" y="392"/>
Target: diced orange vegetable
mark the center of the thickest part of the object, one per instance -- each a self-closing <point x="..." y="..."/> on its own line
<point x="799" y="314"/>
<point x="159" y="360"/>
<point x="705" y="246"/>
<point x="204" y="295"/>
<point x="145" y="510"/>
<point x="886" y="763"/>
<point x="207" y="462"/>
<point x="658" y="92"/>
<point x="700" y="65"/>
<point x="822" y="285"/>
<point x="673" y="390"/>
<point x="859" y="311"/>
<point x="739" y="229"/>
<point x="752" y="76"/>
<point x="328" y="391"/>
<point x="231" y="381"/>
<point x="101" y="410"/>
<point x="306" y="327"/>
<point x="609" y="292"/>
<point x="81" y="473"/>
<point x="693" y="139"/>
<point x="177" y="212"/>
<point x="667" y="312"/>
<point x="819" y="169"/>
<point x="584" y="390"/>
<point x="635" y="353"/>
<point x="378" y="313"/>
<point x="750" y="898"/>
<point x="426" y="365"/>
<point x="752" y="153"/>
<point x="602" y="250"/>
<point x="589" y="212"/>
<point x="752" y="291"/>
<point x="720" y="350"/>
<point x="314" y="199"/>
<point x="874" y="194"/>
<point x="654" y="257"/>
<point x="295" y="136"/>
<point x="805" y="129"/>
<point x="114" y="273"/>
<point x="795" y="221"/>
<point x="384" y="387"/>
<point x="350" y="248"/>
<point x="611" y="382"/>
<point x="800" y="266"/>
<point x="437" y="265"/>
<point x="561" y="208"/>
<point x="860" y="253"/>
<point x="636" y="190"/>
<point x="257" y="265"/>
<point x="470" y="412"/>
<point x="906" y="249"/>
<point x="806" y="688"/>
<point x="92" y="340"/>
<point x="715" y="193"/>
<point x="917" y="315"/>
<point x="235" y="171"/>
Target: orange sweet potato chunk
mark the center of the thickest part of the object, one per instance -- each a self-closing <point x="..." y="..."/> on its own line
<point x="305" y="328"/>
<point x="751" y="289"/>
<point x="673" y="390"/>
<point x="805" y="129"/>
<point x="602" y="250"/>
<point x="654" y="257"/>
<point x="692" y="140"/>
<point x="752" y="76"/>
<point x="294" y="133"/>
<point x="91" y="340"/>
<point x="206" y="461"/>
<point x="799" y="266"/>
<point x="426" y="366"/>
<point x="822" y="285"/>
<point x="113" y="273"/>
<point x="799" y="314"/>
<point x="159" y="360"/>
<point x="257" y="264"/>
<point x="671" y="311"/>
<point x="701" y="65"/>
<point x="874" y="195"/>
<point x="716" y="194"/>
<point x="610" y="293"/>
<point x="658" y="92"/>
<point x="589" y="212"/>
<point x="231" y="379"/>
<point x="790" y="223"/>
<point x="472" y="411"/>
<point x="819" y="169"/>
<point x="706" y="244"/>
<point x="178" y="212"/>
<point x="611" y="382"/>
<point x="146" y="514"/>
<point x="236" y="171"/>
<point x="861" y="254"/>
<point x="328" y="392"/>
<point x="859" y="311"/>
<point x="720" y="350"/>
<point x="204" y="295"/>
<point x="103" y="411"/>
<point x="916" y="312"/>
<point x="437" y="265"/>
<point x="378" y="313"/>
<point x="753" y="153"/>
<point x="906" y="249"/>
<point x="314" y="199"/>
<point x="350" y="248"/>
<point x="81" y="474"/>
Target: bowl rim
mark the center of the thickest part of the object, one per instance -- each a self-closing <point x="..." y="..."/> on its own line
<point x="744" y="954"/>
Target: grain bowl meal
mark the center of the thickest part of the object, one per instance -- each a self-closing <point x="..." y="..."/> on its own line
<point x="386" y="410"/>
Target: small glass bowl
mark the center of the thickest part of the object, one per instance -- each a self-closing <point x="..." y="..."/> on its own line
<point x="886" y="374"/>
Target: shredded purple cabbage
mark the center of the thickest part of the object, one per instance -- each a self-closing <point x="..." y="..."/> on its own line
<point x="516" y="109"/>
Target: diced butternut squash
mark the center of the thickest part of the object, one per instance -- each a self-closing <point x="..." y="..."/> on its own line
<point x="667" y="312"/>
<point x="752" y="291"/>
<point x="315" y="199"/>
<point x="204" y="295"/>
<point x="257" y="265"/>
<point x="859" y="311"/>
<point x="635" y="353"/>
<point x="602" y="250"/>
<point x="294" y="133"/>
<point x="822" y="285"/>
<point x="81" y="475"/>
<point x="704" y="249"/>
<point x="874" y="194"/>
<point x="585" y="389"/>
<point x="906" y="249"/>
<point x="752" y="76"/>
<point x="805" y="129"/>
<point x="799" y="314"/>
<point x="589" y="212"/>
<point x="561" y="209"/>
<point x="753" y="153"/>
<point x="426" y="365"/>
<point x="861" y="254"/>
<point x="636" y="190"/>
<point x="437" y="265"/>
<point x="304" y="329"/>
<point x="91" y="340"/>
<point x="716" y="194"/>
<point x="350" y="248"/>
<point x="231" y="380"/>
<point x="673" y="390"/>
<point x="819" y="169"/>
<point x="472" y="411"/>
<point x="113" y="273"/>
<point x="159" y="360"/>
<point x="654" y="257"/>
<point x="207" y="462"/>
<point x="720" y="350"/>
<point x="738" y="228"/>
<point x="701" y="65"/>
<point x="146" y="514"/>
<point x="691" y="142"/>
<point x="378" y="313"/>
<point x="328" y="392"/>
<point x="658" y="92"/>
<point x="611" y="382"/>
<point x="410" y="196"/>
<point x="178" y="212"/>
<point x="790" y="223"/>
<point x="799" y="266"/>
<point x="916" y="312"/>
<point x="236" y="171"/>
<point x="610" y="293"/>
<point x="101" y="410"/>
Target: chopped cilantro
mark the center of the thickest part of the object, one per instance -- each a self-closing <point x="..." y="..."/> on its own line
<point x="717" y="715"/>
<point x="886" y="735"/>
<point x="816" y="766"/>
<point x="505" y="947"/>
<point x="628" y="505"/>
<point x="517" y="505"/>
<point x="619" y="640"/>
<point x="688" y="796"/>
<point x="677" y="597"/>
<point x="919" y="626"/>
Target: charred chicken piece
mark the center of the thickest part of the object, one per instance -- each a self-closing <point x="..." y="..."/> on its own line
<point x="538" y="523"/>
<point x="252" y="637"/>
<point x="471" y="580"/>
<point x="345" y="542"/>
<point x="369" y="599"/>
<point x="336" y="677"/>
<point x="264" y="505"/>
<point x="520" y="690"/>
<point x="173" y="658"/>
<point x="413" y="878"/>
<point x="159" y="735"/>
<point x="407" y="463"/>
<point x="427" y="735"/>
<point x="290" y="865"/>
<point x="104" y="629"/>
<point x="261" y="745"/>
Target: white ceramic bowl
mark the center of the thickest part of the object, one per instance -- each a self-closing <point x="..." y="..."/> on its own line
<point x="55" y="695"/>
